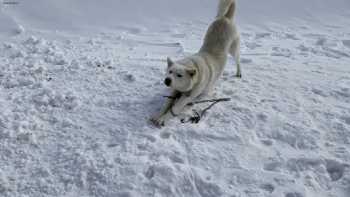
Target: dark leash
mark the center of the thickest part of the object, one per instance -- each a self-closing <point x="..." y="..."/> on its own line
<point x="198" y="115"/>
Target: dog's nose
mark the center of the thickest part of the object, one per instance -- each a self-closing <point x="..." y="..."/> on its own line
<point x="167" y="81"/>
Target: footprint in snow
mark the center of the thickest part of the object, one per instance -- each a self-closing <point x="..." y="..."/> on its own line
<point x="268" y="187"/>
<point x="335" y="169"/>
<point x="346" y="119"/>
<point x="176" y="159"/>
<point x="294" y="194"/>
<point x="342" y="93"/>
<point x="291" y="36"/>
<point x="228" y="92"/>
<point x="150" y="172"/>
<point x="246" y="60"/>
<point x="281" y="52"/>
<point x="262" y="35"/>
<point x="318" y="92"/>
<point x="274" y="166"/>
<point x="165" y="135"/>
<point x="129" y="78"/>
<point x="346" y="43"/>
<point x="321" y="41"/>
<point x="252" y="45"/>
<point x="267" y="142"/>
<point x="207" y="189"/>
<point x="105" y="64"/>
<point x="262" y="116"/>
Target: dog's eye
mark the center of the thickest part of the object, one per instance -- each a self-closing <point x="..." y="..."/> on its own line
<point x="178" y="75"/>
<point x="170" y="72"/>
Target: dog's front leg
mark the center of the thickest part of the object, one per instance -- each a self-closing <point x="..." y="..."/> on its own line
<point x="169" y="103"/>
<point x="184" y="100"/>
<point x="174" y="110"/>
<point x="179" y="106"/>
<point x="167" y="106"/>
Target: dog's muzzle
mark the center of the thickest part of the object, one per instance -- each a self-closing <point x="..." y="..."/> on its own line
<point x="167" y="81"/>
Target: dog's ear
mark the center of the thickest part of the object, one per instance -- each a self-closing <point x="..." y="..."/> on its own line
<point x="170" y="62"/>
<point x="191" y="71"/>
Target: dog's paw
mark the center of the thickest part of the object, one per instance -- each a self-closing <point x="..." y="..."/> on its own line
<point x="157" y="122"/>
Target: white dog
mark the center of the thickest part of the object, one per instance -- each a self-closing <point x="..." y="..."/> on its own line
<point x="196" y="75"/>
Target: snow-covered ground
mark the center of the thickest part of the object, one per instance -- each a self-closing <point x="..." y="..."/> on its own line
<point x="79" y="80"/>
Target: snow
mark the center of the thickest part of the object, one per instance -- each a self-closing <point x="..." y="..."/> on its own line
<point x="79" y="80"/>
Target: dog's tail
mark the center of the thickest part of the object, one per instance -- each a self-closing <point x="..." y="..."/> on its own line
<point x="226" y="9"/>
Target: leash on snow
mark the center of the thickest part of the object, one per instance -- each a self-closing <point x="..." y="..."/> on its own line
<point x="198" y="115"/>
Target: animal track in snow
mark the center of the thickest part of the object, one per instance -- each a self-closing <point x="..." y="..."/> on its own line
<point x="150" y="172"/>
<point x="268" y="187"/>
<point x="335" y="169"/>
<point x="176" y="158"/>
<point x="267" y="142"/>
<point x="318" y="92"/>
<point x="262" y="35"/>
<point x="50" y="98"/>
<point x="346" y="43"/>
<point x="281" y="52"/>
<point x="346" y="119"/>
<point x="262" y="116"/>
<point x="341" y="93"/>
<point x="246" y="60"/>
<point x="291" y="36"/>
<point x="275" y="166"/>
<point x="165" y="135"/>
<point x="252" y="45"/>
<point x="294" y="194"/>
<point x="129" y="78"/>
<point x="207" y="189"/>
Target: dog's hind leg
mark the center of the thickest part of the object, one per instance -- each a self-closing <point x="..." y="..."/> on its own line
<point x="235" y="53"/>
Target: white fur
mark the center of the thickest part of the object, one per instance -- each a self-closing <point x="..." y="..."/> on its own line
<point x="196" y="75"/>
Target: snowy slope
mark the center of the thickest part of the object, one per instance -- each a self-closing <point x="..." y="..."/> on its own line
<point x="79" y="81"/>
<point x="67" y="14"/>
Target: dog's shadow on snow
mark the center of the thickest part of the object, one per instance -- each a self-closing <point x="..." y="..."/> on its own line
<point x="140" y="111"/>
<point x="155" y="103"/>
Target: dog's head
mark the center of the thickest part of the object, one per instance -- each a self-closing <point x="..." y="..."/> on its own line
<point x="180" y="77"/>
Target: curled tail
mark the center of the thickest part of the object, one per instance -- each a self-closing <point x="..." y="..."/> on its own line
<point x="226" y="9"/>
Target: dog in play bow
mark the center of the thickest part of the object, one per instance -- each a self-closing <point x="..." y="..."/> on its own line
<point x="196" y="75"/>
